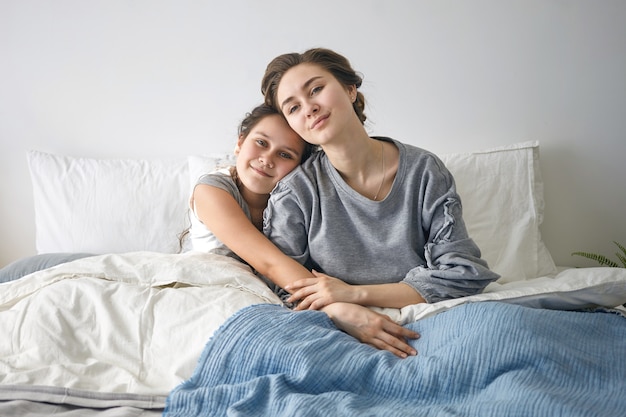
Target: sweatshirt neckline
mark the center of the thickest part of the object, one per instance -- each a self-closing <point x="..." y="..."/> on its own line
<point x="343" y="185"/>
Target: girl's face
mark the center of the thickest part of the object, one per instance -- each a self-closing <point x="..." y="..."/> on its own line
<point x="316" y="105"/>
<point x="269" y="152"/>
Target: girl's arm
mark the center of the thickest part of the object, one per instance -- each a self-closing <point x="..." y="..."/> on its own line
<point x="223" y="216"/>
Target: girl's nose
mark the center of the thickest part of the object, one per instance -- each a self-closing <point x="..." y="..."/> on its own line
<point x="266" y="161"/>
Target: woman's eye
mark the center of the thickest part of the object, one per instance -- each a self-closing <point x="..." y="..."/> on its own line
<point x="316" y="90"/>
<point x="292" y="109"/>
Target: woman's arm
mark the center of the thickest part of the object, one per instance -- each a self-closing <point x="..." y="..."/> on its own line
<point x="315" y="293"/>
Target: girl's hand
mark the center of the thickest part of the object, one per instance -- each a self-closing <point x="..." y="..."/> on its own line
<point x="370" y="327"/>
<point x="320" y="291"/>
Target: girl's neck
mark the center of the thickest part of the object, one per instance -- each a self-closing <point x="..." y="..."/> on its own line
<point x="256" y="202"/>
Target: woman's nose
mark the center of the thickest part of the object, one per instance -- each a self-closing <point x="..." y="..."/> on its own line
<point x="312" y="109"/>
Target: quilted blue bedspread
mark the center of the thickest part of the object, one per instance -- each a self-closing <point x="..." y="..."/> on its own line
<point x="481" y="359"/>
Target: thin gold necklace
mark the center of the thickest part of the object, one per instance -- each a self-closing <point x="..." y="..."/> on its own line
<point x="382" y="157"/>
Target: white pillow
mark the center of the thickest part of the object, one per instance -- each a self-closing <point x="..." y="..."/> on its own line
<point x="108" y="205"/>
<point x="122" y="205"/>
<point x="502" y="194"/>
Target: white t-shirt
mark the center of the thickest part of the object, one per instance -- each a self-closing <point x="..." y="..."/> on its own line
<point x="201" y="238"/>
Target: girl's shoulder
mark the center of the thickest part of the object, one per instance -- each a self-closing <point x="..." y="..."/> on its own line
<point x="221" y="178"/>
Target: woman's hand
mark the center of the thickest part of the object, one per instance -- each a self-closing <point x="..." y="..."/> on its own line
<point x="370" y="327"/>
<point x="320" y="291"/>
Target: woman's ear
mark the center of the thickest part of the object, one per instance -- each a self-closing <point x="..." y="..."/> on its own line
<point x="352" y="92"/>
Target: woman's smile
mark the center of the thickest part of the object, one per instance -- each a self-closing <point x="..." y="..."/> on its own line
<point x="319" y="122"/>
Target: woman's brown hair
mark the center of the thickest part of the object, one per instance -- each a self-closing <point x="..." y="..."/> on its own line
<point x="327" y="59"/>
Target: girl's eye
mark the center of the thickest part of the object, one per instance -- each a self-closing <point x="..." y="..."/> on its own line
<point x="292" y="109"/>
<point x="286" y="155"/>
<point x="261" y="142"/>
<point x="316" y="90"/>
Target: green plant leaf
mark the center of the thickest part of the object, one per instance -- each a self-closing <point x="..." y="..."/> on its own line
<point x="601" y="259"/>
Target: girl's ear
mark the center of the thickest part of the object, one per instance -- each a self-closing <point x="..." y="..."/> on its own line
<point x="239" y="143"/>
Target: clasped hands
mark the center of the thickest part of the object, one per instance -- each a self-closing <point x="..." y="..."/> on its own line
<point x="341" y="301"/>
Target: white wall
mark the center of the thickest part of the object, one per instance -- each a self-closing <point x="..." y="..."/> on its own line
<point x="147" y="78"/>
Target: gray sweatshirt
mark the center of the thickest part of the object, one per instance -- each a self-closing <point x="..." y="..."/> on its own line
<point x="416" y="235"/>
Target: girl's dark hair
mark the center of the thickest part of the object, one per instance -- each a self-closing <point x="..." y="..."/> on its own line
<point x="254" y="117"/>
<point x="329" y="60"/>
<point x="259" y="113"/>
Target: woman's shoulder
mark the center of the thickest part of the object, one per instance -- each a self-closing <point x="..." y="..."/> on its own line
<point x="416" y="161"/>
<point x="308" y="171"/>
<point x="303" y="182"/>
<point x="410" y="152"/>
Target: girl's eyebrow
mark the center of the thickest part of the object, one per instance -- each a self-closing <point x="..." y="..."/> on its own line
<point x="304" y="87"/>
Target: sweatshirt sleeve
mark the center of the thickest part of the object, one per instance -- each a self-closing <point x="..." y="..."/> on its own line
<point x="454" y="267"/>
<point x="285" y="224"/>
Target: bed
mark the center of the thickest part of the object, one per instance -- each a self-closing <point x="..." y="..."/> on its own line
<point x="113" y="317"/>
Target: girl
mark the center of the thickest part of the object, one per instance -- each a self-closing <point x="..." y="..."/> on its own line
<point x="227" y="205"/>
<point x="382" y="215"/>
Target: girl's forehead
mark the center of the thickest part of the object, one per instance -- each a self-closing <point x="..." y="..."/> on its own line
<point x="270" y="122"/>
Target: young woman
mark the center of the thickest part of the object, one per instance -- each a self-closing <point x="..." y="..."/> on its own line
<point x="227" y="208"/>
<point x="382" y="215"/>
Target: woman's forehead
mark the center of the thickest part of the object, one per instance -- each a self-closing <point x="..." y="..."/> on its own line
<point x="299" y="78"/>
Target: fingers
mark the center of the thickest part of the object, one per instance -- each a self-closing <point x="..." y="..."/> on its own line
<point x="310" y="303"/>
<point x="372" y="328"/>
<point x="393" y="338"/>
<point x="304" y="296"/>
<point x="301" y="283"/>
<point x="401" y="350"/>
<point x="408" y="333"/>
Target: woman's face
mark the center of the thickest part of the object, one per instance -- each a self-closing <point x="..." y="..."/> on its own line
<point x="269" y="152"/>
<point x="315" y="103"/>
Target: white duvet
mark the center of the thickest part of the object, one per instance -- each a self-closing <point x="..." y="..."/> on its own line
<point x="129" y="323"/>
<point x="137" y="322"/>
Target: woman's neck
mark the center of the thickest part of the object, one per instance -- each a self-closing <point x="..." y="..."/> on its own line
<point x="355" y="157"/>
<point x="367" y="165"/>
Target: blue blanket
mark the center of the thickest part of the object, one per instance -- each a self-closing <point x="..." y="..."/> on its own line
<point x="481" y="359"/>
